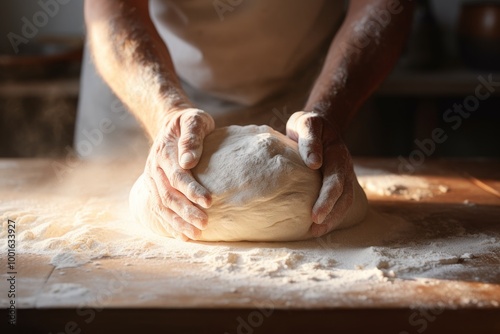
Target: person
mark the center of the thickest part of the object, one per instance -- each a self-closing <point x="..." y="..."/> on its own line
<point x="181" y="67"/>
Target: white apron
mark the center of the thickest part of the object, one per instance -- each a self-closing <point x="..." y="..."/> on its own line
<point x="243" y="61"/>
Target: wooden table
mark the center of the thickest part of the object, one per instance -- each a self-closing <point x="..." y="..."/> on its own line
<point x="461" y="304"/>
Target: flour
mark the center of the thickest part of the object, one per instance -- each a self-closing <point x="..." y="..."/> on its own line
<point x="69" y="260"/>
<point x="382" y="183"/>
<point x="91" y="221"/>
<point x="61" y="292"/>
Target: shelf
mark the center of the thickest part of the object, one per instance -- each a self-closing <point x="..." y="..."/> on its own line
<point x="447" y="82"/>
<point x="58" y="87"/>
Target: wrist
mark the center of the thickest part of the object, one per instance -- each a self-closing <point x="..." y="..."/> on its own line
<point x="166" y="111"/>
<point x="174" y="117"/>
<point x="337" y="112"/>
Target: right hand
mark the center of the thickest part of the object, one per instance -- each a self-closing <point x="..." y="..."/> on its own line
<point x="321" y="147"/>
<point x="176" y="149"/>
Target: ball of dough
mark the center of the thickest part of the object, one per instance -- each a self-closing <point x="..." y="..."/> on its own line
<point x="261" y="189"/>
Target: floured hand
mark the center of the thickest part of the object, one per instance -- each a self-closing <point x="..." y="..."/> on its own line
<point x="176" y="149"/>
<point x="321" y="147"/>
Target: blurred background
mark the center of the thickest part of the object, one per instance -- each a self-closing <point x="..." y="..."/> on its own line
<point x="452" y="44"/>
<point x="40" y="58"/>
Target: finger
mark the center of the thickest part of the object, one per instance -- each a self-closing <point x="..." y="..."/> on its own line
<point x="330" y="192"/>
<point x="291" y="125"/>
<point x="173" y="233"/>
<point x="168" y="197"/>
<point x="166" y="219"/>
<point x="179" y="236"/>
<point x="194" y="126"/>
<point x="179" y="178"/>
<point x="342" y="205"/>
<point x="337" y="172"/>
<point x="183" y="228"/>
<point x="337" y="213"/>
<point x="319" y="230"/>
<point x="184" y="182"/>
<point x="308" y="129"/>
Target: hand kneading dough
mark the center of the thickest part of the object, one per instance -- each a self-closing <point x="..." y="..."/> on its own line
<point x="261" y="189"/>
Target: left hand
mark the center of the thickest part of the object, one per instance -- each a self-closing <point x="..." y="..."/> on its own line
<point x="321" y="147"/>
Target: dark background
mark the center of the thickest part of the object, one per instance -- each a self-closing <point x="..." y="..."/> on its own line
<point x="452" y="43"/>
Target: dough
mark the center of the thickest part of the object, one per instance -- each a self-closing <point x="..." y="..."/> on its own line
<point x="261" y="189"/>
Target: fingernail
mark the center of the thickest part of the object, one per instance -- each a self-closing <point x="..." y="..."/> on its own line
<point x="186" y="158"/>
<point x="197" y="214"/>
<point x="200" y="222"/>
<point x="313" y="159"/>
<point x="203" y="202"/>
<point x="319" y="219"/>
<point x="193" y="233"/>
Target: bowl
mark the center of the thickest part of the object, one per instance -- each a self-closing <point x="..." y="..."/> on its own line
<point x="479" y="35"/>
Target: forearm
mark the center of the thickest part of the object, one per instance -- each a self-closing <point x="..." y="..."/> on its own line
<point x="361" y="55"/>
<point x="133" y="59"/>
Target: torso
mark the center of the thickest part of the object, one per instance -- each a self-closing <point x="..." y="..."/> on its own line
<point x="245" y="50"/>
<point x="243" y="61"/>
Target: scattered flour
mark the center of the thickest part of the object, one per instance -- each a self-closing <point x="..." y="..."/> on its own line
<point x="63" y="291"/>
<point x="69" y="260"/>
<point x="92" y="221"/>
<point x="382" y="183"/>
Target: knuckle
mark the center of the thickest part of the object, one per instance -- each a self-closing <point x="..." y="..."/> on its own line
<point x="179" y="179"/>
<point x="159" y="155"/>
<point x="177" y="222"/>
<point x="291" y="124"/>
<point x="198" y="121"/>
<point x="190" y="140"/>
<point x="190" y="231"/>
<point x="196" y="189"/>
<point x="187" y="211"/>
<point x="309" y="126"/>
<point x="190" y="211"/>
<point x="197" y="116"/>
<point x="193" y="189"/>
<point x="297" y="115"/>
<point x="176" y="178"/>
<point x="167" y="198"/>
<point x="303" y="121"/>
<point x="194" y="117"/>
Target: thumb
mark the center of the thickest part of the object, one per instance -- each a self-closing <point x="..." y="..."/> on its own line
<point x="194" y="126"/>
<point x="309" y="130"/>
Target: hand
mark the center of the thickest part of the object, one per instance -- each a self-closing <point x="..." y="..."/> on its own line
<point x="176" y="149"/>
<point x="321" y="147"/>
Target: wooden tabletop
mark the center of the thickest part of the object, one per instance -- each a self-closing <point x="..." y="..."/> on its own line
<point x="460" y="303"/>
